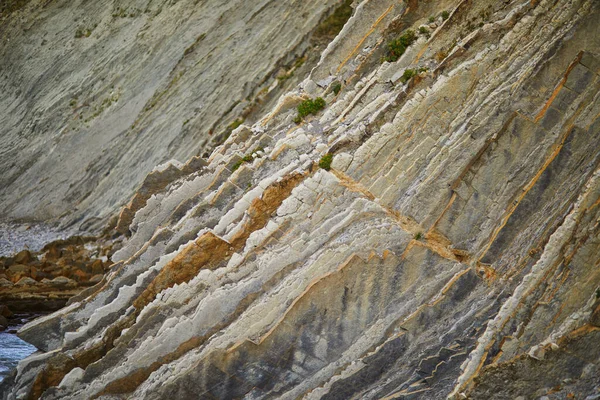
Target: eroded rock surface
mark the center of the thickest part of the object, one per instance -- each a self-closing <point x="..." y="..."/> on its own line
<point x="96" y="94"/>
<point x="451" y="250"/>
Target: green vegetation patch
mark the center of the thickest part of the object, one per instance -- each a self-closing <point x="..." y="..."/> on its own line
<point x="397" y="47"/>
<point x="308" y="107"/>
<point x="246" y="158"/>
<point x="231" y="127"/>
<point x="325" y="161"/>
<point x="10" y="6"/>
<point x="333" y="24"/>
<point x="83" y="32"/>
<point x="408" y="73"/>
<point x="336" y="87"/>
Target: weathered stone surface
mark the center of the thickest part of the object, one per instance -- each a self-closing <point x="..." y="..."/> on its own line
<point x="452" y="250"/>
<point x="23" y="257"/>
<point x="139" y="84"/>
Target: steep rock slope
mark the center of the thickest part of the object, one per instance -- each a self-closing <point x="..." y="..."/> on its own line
<point x="95" y="94"/>
<point x="451" y="250"/>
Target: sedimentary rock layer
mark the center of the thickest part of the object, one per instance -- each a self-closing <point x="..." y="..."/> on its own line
<point x="452" y="249"/>
<point x="95" y="94"/>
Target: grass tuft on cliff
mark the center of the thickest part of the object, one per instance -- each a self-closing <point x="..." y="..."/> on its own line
<point x="10" y="6"/>
<point x="308" y="107"/>
<point x="333" y="24"/>
<point x="397" y="47"/>
<point x="237" y="165"/>
<point x="325" y="161"/>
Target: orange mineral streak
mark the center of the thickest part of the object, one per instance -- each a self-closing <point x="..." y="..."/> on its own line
<point x="558" y="87"/>
<point x="207" y="252"/>
<point x="359" y="45"/>
<point x="513" y="205"/>
<point x="432" y="240"/>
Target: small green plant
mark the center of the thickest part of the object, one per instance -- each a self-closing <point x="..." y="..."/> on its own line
<point x="445" y="15"/>
<point x="235" y="124"/>
<point x="299" y="62"/>
<point x="336" y="87"/>
<point x="82" y="32"/>
<point x="334" y="23"/>
<point x="431" y="19"/>
<point x="423" y="30"/>
<point x="408" y="73"/>
<point x="325" y="161"/>
<point x="285" y="77"/>
<point x="397" y="47"/>
<point x="246" y="158"/>
<point x="418" y="236"/>
<point x="308" y="107"/>
<point x="227" y="132"/>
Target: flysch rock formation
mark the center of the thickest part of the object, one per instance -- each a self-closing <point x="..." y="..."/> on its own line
<point x="95" y="94"/>
<point x="452" y="250"/>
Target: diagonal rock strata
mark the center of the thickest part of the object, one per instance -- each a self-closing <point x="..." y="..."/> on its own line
<point x="450" y="251"/>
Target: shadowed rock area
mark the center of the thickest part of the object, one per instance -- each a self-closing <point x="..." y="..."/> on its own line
<point x="432" y="232"/>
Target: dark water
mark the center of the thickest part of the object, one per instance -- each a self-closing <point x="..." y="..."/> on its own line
<point x="13" y="349"/>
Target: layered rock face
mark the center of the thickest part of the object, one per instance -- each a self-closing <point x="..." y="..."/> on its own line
<point x="451" y="249"/>
<point x="95" y="94"/>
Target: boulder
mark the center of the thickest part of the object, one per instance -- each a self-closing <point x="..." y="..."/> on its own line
<point x="4" y="283"/>
<point x="23" y="257"/>
<point x="96" y="278"/>
<point x="79" y="275"/>
<point x="97" y="267"/>
<point x="54" y="252"/>
<point x="26" y="281"/>
<point x="3" y="322"/>
<point x="63" y="282"/>
<point x="19" y="269"/>
<point x="72" y="377"/>
<point x="5" y="311"/>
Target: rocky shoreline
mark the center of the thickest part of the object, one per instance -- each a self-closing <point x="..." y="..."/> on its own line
<point x="43" y="281"/>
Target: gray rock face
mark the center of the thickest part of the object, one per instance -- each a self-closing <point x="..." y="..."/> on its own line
<point x="96" y="94"/>
<point x="451" y="250"/>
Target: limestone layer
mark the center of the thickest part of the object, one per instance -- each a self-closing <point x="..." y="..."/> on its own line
<point x="452" y="249"/>
<point x="95" y="94"/>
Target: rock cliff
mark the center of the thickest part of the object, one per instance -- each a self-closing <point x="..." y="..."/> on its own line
<point x="95" y="94"/>
<point x="433" y="232"/>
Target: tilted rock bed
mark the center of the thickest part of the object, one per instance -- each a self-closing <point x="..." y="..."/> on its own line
<point x="450" y="249"/>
